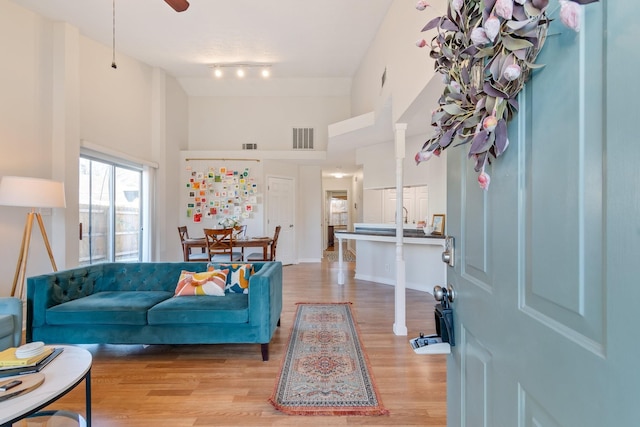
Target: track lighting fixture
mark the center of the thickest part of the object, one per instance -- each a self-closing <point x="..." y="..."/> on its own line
<point x="241" y="69"/>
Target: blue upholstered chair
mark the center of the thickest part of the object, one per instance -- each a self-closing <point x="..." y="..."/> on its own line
<point x="10" y="322"/>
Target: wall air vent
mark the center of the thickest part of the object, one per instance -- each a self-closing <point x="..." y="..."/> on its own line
<point x="250" y="146"/>
<point x="303" y="138"/>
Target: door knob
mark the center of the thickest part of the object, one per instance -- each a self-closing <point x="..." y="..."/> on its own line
<point x="446" y="294"/>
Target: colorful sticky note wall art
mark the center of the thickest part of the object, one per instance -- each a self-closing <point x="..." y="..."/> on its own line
<point x="217" y="193"/>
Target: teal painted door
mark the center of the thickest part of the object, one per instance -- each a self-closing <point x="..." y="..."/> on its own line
<point x="547" y="310"/>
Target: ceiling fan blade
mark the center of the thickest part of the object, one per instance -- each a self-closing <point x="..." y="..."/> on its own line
<point x="178" y="5"/>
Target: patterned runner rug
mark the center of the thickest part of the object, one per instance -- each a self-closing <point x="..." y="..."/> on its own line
<point x="325" y="370"/>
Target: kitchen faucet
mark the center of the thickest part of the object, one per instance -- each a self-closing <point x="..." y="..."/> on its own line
<point x="406" y="214"/>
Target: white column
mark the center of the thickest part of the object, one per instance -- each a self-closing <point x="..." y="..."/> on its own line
<point x="65" y="140"/>
<point x="155" y="242"/>
<point x="340" y="263"/>
<point x="400" y="324"/>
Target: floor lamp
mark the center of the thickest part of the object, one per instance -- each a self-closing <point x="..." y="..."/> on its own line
<point x="32" y="193"/>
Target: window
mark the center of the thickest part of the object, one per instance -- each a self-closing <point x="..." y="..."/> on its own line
<point x="110" y="203"/>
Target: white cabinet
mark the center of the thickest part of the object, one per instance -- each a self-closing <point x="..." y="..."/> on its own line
<point x="422" y="204"/>
<point x="415" y="201"/>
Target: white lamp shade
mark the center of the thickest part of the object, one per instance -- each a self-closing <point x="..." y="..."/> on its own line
<point x="31" y="192"/>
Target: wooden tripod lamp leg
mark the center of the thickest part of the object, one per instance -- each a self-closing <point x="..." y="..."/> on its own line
<point x="46" y="241"/>
<point x="21" y="267"/>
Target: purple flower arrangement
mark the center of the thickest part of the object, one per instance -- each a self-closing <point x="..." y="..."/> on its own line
<point x="485" y="51"/>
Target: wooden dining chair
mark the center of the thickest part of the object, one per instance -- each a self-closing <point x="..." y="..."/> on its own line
<point x="271" y="253"/>
<point x="240" y="232"/>
<point x="188" y="254"/>
<point x="220" y="245"/>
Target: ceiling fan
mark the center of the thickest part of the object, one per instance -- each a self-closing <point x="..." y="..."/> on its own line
<point x="178" y="5"/>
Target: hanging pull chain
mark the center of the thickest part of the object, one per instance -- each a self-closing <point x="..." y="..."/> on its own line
<point x="113" y="60"/>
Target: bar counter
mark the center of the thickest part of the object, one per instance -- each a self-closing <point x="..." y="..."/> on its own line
<point x="376" y="255"/>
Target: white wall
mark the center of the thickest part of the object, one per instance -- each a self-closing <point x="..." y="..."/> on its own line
<point x="309" y="215"/>
<point x="169" y="185"/>
<point x="225" y="123"/>
<point x="116" y="104"/>
<point x="372" y="206"/>
<point x="58" y="88"/>
<point x="409" y="68"/>
<point x="379" y="173"/>
<point x="25" y="127"/>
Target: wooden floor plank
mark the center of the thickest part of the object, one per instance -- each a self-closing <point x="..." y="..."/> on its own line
<point x="228" y="385"/>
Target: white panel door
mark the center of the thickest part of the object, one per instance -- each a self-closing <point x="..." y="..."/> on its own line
<point x="281" y="211"/>
<point x="546" y="313"/>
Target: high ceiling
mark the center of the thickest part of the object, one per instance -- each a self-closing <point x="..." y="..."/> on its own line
<point x="322" y="40"/>
<point x="301" y="39"/>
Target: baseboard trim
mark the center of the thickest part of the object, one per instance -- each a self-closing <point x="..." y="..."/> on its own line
<point x="391" y="282"/>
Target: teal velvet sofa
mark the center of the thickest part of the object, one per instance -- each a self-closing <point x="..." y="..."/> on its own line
<point x="134" y="303"/>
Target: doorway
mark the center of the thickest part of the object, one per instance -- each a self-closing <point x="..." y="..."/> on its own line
<point x="336" y="215"/>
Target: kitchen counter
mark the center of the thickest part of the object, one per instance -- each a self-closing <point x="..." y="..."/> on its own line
<point x="386" y="230"/>
<point x="376" y="255"/>
<point x="407" y="232"/>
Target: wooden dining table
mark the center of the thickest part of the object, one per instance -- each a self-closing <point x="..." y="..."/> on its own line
<point x="249" y="242"/>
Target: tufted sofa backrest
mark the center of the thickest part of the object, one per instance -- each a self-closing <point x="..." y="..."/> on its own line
<point x="79" y="282"/>
<point x="147" y="276"/>
<point x="143" y="276"/>
<point x="67" y="285"/>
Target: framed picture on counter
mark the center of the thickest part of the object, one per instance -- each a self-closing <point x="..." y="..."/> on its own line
<point x="438" y="225"/>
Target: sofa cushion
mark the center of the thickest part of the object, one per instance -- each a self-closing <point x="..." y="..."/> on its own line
<point x="6" y="325"/>
<point x="107" y="308"/>
<point x="238" y="277"/>
<point x="233" y="308"/>
<point x="204" y="283"/>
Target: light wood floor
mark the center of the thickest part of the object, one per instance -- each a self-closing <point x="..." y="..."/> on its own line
<point x="228" y="385"/>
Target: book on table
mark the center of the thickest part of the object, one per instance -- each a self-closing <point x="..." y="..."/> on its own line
<point x="8" y="358"/>
<point x="7" y="371"/>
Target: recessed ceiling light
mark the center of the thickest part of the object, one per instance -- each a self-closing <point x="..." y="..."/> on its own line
<point x="265" y="72"/>
<point x="240" y="72"/>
